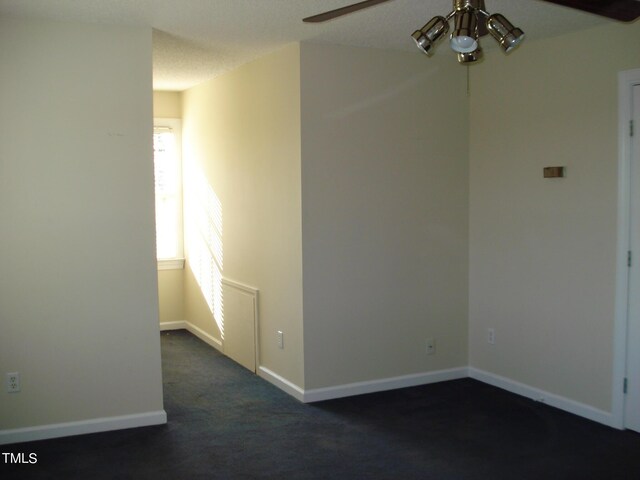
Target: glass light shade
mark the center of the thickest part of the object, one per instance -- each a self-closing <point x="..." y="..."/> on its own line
<point x="508" y="36"/>
<point x="428" y="35"/>
<point x="464" y="39"/>
<point x="463" y="44"/>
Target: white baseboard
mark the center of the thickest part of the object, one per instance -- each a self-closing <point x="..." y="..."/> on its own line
<point x="197" y="331"/>
<point x="282" y="383"/>
<point x="539" y="395"/>
<point x="359" y="388"/>
<point x="94" y="425"/>
<point x="180" y="325"/>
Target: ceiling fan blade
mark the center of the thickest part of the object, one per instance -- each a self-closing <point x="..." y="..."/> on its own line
<point x="622" y="10"/>
<point x="330" y="15"/>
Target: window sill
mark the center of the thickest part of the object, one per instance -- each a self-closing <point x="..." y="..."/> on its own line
<point x="171" y="264"/>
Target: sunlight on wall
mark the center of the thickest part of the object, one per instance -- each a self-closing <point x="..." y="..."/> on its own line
<point x="203" y="232"/>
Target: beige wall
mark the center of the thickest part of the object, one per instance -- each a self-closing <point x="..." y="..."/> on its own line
<point x="170" y="282"/>
<point x="171" y="296"/>
<point x="542" y="251"/>
<point x="241" y="134"/>
<point x="78" y="290"/>
<point x="384" y="204"/>
<point x="167" y="104"/>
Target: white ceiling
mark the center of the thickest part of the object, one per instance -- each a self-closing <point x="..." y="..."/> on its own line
<point x="195" y="40"/>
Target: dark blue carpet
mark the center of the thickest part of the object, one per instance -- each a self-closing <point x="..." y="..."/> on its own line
<point x="226" y="423"/>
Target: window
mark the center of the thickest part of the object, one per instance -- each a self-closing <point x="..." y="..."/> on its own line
<point x="168" y="190"/>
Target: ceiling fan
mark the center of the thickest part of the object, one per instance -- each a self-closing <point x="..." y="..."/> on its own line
<point x="472" y="21"/>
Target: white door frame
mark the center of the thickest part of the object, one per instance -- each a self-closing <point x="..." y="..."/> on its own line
<point x="626" y="81"/>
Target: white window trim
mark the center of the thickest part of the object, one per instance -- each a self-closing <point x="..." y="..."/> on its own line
<point x="171" y="264"/>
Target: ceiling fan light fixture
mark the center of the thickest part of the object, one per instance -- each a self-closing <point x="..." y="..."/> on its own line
<point x="508" y="36"/>
<point x="464" y="38"/>
<point x="470" y="22"/>
<point x="470" y="57"/>
<point x="428" y="35"/>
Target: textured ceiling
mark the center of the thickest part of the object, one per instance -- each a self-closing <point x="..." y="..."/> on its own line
<point x="195" y="40"/>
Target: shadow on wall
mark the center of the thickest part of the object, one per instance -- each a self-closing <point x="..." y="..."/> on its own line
<point x="203" y="238"/>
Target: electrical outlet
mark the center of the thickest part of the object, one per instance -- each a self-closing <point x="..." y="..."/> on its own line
<point x="431" y="346"/>
<point x="491" y="336"/>
<point x="13" y="382"/>
<point x="280" y="340"/>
